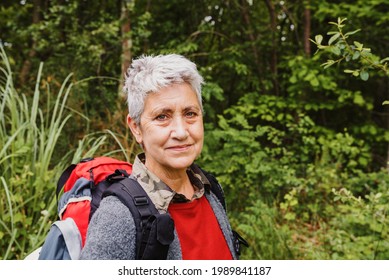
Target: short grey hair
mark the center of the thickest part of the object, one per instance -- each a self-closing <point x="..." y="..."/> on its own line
<point x="149" y="74"/>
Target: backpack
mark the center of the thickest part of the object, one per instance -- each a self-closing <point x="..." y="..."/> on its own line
<point x="85" y="184"/>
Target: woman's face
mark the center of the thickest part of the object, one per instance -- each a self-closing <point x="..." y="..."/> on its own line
<point x="171" y="129"/>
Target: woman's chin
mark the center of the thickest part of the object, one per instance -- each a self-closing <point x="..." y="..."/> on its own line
<point x="180" y="163"/>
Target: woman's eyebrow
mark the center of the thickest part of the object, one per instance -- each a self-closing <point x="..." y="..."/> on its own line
<point x="161" y="110"/>
<point x="170" y="110"/>
<point x="191" y="107"/>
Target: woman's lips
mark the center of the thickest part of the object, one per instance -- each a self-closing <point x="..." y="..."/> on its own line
<point x="179" y="148"/>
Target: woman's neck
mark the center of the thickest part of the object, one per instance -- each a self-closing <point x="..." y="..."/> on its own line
<point x="177" y="180"/>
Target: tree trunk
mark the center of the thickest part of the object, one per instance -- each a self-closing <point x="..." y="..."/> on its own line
<point x="252" y="37"/>
<point x="307" y="29"/>
<point x="273" y="55"/>
<point x="387" y="125"/>
<point x="126" y="42"/>
<point x="26" y="68"/>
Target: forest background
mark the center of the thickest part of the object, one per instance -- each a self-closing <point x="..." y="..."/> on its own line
<point x="296" y="129"/>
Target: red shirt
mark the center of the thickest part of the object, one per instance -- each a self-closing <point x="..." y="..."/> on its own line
<point x="198" y="231"/>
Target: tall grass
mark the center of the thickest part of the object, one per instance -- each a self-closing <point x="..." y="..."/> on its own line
<point x="28" y="140"/>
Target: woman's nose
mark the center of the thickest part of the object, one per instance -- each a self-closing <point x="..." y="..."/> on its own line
<point x="179" y="128"/>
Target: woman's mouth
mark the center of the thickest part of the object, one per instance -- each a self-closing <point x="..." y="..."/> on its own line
<point x="179" y="148"/>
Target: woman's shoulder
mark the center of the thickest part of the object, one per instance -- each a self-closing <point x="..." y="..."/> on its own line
<point x="111" y="232"/>
<point x="112" y="210"/>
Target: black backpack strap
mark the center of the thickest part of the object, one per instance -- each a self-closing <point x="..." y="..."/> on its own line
<point x="217" y="190"/>
<point x="154" y="231"/>
<point x="63" y="178"/>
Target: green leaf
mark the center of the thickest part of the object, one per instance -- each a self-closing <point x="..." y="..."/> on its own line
<point x="356" y="55"/>
<point x="363" y="161"/>
<point x="364" y="75"/>
<point x="358" y="45"/>
<point x="335" y="50"/>
<point x="358" y="99"/>
<point x="327" y="64"/>
<point x="351" y="32"/>
<point x="314" y="82"/>
<point x="341" y="20"/>
<point x="386" y="102"/>
<point x="293" y="79"/>
<point x="318" y="39"/>
<point x="333" y="38"/>
<point x="366" y="50"/>
<point x="290" y="216"/>
<point x="223" y="123"/>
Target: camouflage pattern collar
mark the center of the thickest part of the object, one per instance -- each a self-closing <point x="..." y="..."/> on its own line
<point x="160" y="193"/>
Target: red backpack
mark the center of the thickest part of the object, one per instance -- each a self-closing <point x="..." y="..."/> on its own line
<point x="96" y="171"/>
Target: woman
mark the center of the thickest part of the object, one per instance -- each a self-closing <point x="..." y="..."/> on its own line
<point x="166" y="119"/>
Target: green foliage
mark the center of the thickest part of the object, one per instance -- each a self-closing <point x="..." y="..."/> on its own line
<point x="258" y="224"/>
<point x="74" y="37"/>
<point x="29" y="135"/>
<point x="361" y="228"/>
<point x="277" y="157"/>
<point x="25" y="158"/>
<point x="294" y="145"/>
<point x="338" y="45"/>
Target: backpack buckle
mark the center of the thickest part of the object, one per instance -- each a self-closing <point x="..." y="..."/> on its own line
<point x="238" y="242"/>
<point x="118" y="175"/>
<point x="141" y="200"/>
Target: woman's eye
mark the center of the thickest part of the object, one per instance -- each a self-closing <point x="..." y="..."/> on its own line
<point x="191" y="114"/>
<point x="161" y="117"/>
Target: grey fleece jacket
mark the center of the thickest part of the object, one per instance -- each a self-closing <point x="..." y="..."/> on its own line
<point x="111" y="232"/>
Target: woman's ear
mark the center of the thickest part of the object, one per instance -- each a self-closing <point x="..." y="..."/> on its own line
<point x="135" y="129"/>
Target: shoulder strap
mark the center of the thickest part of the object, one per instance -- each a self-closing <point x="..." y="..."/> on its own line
<point x="216" y="188"/>
<point x="154" y="231"/>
